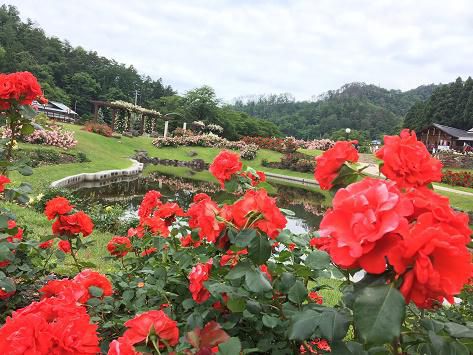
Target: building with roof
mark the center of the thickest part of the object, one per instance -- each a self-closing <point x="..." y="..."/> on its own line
<point x="57" y="111"/>
<point x="438" y="136"/>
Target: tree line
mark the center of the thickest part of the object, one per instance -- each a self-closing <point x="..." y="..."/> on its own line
<point x="74" y="76"/>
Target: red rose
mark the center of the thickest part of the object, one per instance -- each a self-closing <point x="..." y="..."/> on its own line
<point x="5" y="295"/>
<point x="203" y="215"/>
<point x="315" y="297"/>
<point x="122" y="347"/>
<point x="119" y="246"/>
<point x="148" y="251"/>
<point x="187" y="241"/>
<point x="198" y="275"/>
<point x="152" y="323"/>
<point x="169" y="211"/>
<point x="47" y="244"/>
<point x="19" y="234"/>
<point x="330" y="162"/>
<point x="255" y="179"/>
<point x="407" y="161"/>
<point x="3" y="181"/>
<point x="156" y="225"/>
<point x="151" y="200"/>
<point x="57" y="206"/>
<point x="207" y="338"/>
<point x="266" y="215"/>
<point x="231" y="257"/>
<point x="225" y="165"/>
<point x="64" y="245"/>
<point x="52" y="326"/>
<point x="434" y="263"/>
<point x="426" y="200"/>
<point x="73" y="224"/>
<point x="87" y="278"/>
<point x="366" y="220"/>
<point x="65" y="289"/>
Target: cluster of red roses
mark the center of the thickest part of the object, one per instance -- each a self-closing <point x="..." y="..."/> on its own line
<point x="400" y="226"/>
<point x="226" y="165"/>
<point x="67" y="225"/>
<point x="59" y="323"/>
<point x="21" y="87"/>
<point x="3" y="181"/>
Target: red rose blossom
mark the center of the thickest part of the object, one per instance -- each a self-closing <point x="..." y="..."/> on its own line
<point x="119" y="246"/>
<point x="151" y="200"/>
<point x="152" y="323"/>
<point x="65" y="289"/>
<point x="122" y="347"/>
<point x="65" y="246"/>
<point x="74" y="224"/>
<point x="203" y="215"/>
<point x="266" y="215"/>
<point x="148" y="251"/>
<point x="433" y="260"/>
<point x="407" y="161"/>
<point x="3" y="181"/>
<point x="187" y="241"/>
<point x="231" y="257"/>
<point x="225" y="165"/>
<point x="57" y="206"/>
<point x="198" y="275"/>
<point x="46" y="244"/>
<point x="315" y="297"/>
<point x="367" y="219"/>
<point x="330" y="162"/>
<point x="87" y="278"/>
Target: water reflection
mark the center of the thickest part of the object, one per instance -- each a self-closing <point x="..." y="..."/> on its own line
<point x="306" y="204"/>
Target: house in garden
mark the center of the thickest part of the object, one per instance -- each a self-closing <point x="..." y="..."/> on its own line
<point x="57" y="111"/>
<point x="440" y="137"/>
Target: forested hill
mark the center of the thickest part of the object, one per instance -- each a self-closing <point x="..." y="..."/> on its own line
<point x="70" y="74"/>
<point x="359" y="106"/>
<point x="450" y="105"/>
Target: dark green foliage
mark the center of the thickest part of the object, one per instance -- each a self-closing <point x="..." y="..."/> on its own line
<point x="367" y="108"/>
<point x="450" y="105"/>
<point x="67" y="74"/>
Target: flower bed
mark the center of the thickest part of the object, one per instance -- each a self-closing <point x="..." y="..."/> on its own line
<point x="56" y="137"/>
<point x="458" y="178"/>
<point x="248" y="151"/>
<point x="288" y="144"/>
<point x="451" y="159"/>
<point x="102" y="129"/>
<point x="293" y="161"/>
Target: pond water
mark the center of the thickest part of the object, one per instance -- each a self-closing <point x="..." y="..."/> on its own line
<point x="306" y="204"/>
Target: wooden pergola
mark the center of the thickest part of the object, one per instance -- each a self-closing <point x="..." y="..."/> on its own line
<point x="128" y="108"/>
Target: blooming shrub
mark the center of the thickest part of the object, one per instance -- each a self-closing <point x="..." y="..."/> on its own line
<point x="229" y="278"/>
<point x="249" y="151"/>
<point x="288" y="144"/>
<point x="293" y="161"/>
<point x="458" y="178"/>
<point x="102" y="129"/>
<point x="56" y="137"/>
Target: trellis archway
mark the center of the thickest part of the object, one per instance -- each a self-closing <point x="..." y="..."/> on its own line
<point x="127" y="109"/>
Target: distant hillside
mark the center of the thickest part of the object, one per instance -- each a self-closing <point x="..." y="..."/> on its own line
<point x="356" y="105"/>
<point x="450" y="105"/>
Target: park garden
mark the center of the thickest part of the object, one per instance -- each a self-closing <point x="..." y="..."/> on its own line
<point x="385" y="268"/>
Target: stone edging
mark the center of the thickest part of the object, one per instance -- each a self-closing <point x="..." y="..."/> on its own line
<point x="135" y="169"/>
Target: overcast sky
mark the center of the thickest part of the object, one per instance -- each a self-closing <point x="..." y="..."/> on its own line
<point x="242" y="47"/>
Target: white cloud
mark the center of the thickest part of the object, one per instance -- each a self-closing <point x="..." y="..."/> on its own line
<point x="251" y="47"/>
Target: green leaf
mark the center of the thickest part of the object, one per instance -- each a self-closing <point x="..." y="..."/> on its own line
<point x="25" y="170"/>
<point x="243" y="238"/>
<point x="317" y="260"/>
<point x="270" y="322"/>
<point x="303" y="324"/>
<point x="3" y="221"/>
<point x="231" y="347"/>
<point x="259" y="250"/>
<point x="378" y="313"/>
<point x="95" y="291"/>
<point x="257" y="282"/>
<point x="238" y="271"/>
<point x="297" y="293"/>
<point x="236" y="305"/>
<point x="286" y="281"/>
<point x="27" y="129"/>
<point x="334" y="324"/>
<point x="458" y="330"/>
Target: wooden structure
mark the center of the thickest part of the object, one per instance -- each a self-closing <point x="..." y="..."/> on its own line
<point x="438" y="135"/>
<point x="57" y="111"/>
<point x="128" y="108"/>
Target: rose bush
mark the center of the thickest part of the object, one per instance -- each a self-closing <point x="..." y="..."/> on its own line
<point x="230" y="279"/>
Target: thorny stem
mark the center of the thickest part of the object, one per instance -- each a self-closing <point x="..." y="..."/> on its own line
<point x="73" y="254"/>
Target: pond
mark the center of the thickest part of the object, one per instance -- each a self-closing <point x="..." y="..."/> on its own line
<point x="307" y="205"/>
